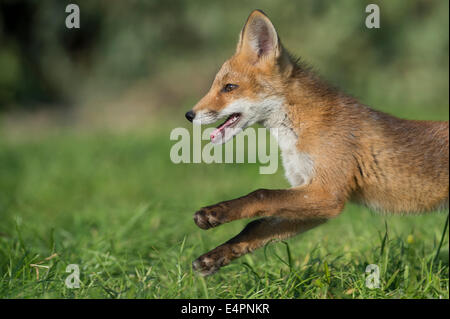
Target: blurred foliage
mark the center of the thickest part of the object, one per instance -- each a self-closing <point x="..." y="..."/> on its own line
<point x="405" y="62"/>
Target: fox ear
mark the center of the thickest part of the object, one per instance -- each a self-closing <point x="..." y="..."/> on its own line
<point x="258" y="38"/>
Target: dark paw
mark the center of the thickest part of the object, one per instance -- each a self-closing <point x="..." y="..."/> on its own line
<point x="208" y="265"/>
<point x="206" y="219"/>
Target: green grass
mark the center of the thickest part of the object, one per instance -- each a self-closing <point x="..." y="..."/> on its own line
<point x="116" y="206"/>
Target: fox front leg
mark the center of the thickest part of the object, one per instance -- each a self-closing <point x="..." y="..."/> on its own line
<point x="256" y="234"/>
<point x="296" y="203"/>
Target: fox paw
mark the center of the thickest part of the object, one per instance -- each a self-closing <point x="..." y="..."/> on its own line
<point x="208" y="265"/>
<point x="206" y="219"/>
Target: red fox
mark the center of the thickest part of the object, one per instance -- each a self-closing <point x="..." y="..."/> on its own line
<point x="334" y="149"/>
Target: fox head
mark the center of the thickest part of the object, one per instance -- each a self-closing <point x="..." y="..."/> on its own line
<point x="248" y="86"/>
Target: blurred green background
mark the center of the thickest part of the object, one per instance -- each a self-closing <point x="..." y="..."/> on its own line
<point x="137" y="56"/>
<point x="85" y="120"/>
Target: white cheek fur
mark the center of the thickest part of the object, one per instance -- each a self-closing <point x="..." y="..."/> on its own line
<point x="205" y="117"/>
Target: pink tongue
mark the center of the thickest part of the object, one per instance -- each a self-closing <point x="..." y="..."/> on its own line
<point x="219" y="132"/>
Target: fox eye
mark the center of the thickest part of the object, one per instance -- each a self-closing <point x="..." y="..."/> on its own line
<point x="229" y="87"/>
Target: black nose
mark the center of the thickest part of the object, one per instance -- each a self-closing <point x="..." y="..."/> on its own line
<point x="190" y="116"/>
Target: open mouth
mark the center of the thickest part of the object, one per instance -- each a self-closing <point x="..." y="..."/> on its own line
<point x="219" y="133"/>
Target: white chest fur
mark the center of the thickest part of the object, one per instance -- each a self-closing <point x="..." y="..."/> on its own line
<point x="298" y="166"/>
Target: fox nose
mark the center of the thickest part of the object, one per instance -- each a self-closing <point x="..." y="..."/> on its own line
<point x="190" y="116"/>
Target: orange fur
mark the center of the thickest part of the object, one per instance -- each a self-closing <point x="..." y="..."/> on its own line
<point x="355" y="153"/>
